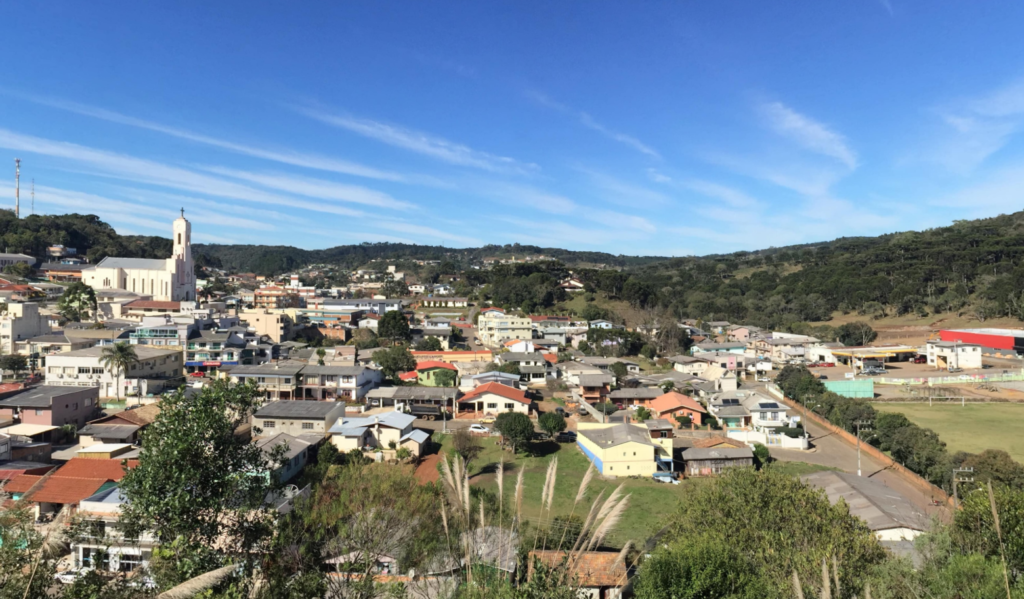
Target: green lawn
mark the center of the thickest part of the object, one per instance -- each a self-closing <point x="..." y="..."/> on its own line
<point x="799" y="468"/>
<point x="650" y="503"/>
<point x="973" y="428"/>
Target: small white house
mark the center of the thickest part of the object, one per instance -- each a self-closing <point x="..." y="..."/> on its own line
<point x="945" y="355"/>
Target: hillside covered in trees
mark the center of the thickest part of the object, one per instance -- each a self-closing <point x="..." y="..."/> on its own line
<point x="85" y="232"/>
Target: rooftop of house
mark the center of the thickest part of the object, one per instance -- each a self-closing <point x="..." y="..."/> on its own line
<point x="334" y="370"/>
<point x="600" y="361"/>
<point x="52" y="338"/>
<point x="294" y="445"/>
<point x="140" y="416"/>
<point x="153" y="305"/>
<point x="430" y="364"/>
<point x="673" y="400"/>
<point x="876" y="504"/>
<point x="637" y="393"/>
<point x="276" y="369"/>
<point x="58" y="267"/>
<point x="405" y="393"/>
<point x="350" y="427"/>
<point x="109" y="431"/>
<point x="595" y="380"/>
<point x="592" y="569"/>
<point x="297" y="409"/>
<point x="41" y="396"/>
<point x="520" y="356"/>
<point x="617" y="434"/>
<point x="496" y="389"/>
<point x="717" y="453"/>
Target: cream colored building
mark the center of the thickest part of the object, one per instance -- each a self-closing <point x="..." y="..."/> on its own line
<point x="277" y="325"/>
<point x="157" y="369"/>
<point x="623" y="449"/>
<point x="21" y="322"/>
<point x="171" y="279"/>
<point x="382" y="432"/>
<point x="495" y="328"/>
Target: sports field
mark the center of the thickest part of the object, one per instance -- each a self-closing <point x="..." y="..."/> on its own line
<point x="974" y="427"/>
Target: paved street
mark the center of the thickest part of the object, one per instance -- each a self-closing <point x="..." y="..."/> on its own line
<point x="833" y="451"/>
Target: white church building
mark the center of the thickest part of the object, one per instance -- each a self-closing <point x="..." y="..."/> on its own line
<point x="172" y="279"/>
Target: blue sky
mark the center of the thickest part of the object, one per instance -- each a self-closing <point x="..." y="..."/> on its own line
<point x="666" y="128"/>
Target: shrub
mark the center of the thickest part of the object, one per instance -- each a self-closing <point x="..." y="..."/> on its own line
<point x="606" y="408"/>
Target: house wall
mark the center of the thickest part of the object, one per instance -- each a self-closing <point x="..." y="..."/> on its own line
<point x="696" y="468"/>
<point x="78" y="407"/>
<point x="501" y="404"/>
<point x="628" y="459"/>
<point x="294" y="426"/>
<point x="22" y="321"/>
<point x="345" y="444"/>
<point x="693" y="368"/>
<point x="66" y="370"/>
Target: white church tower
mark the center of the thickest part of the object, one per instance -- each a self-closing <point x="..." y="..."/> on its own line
<point x="183" y="270"/>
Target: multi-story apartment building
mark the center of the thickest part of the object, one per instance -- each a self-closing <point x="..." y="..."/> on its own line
<point x="163" y="331"/>
<point x="273" y="297"/>
<point x="102" y="544"/>
<point x="157" y="369"/>
<point x="278" y="381"/>
<point x="338" y="383"/>
<point x="495" y="328"/>
<point x="20" y="322"/>
<point x="207" y="351"/>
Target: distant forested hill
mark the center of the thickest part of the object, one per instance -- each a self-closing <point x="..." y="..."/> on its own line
<point x="271" y="260"/>
<point x="87" y="233"/>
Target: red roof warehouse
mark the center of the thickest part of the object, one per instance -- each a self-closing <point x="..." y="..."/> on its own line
<point x="995" y="338"/>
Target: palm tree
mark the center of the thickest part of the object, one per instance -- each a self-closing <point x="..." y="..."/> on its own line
<point x="118" y="358"/>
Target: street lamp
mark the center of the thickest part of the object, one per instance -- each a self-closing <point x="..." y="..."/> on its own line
<point x="859" y="424"/>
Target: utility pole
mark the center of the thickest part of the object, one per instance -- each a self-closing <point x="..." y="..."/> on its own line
<point x="17" y="188"/>
<point x="960" y="476"/>
<point x="860" y="424"/>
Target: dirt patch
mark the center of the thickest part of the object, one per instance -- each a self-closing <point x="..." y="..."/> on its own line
<point x="427" y="472"/>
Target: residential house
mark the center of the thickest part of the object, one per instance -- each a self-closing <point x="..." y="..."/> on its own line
<point x="51" y="405"/>
<point x="953" y="354"/>
<point x="274" y="297"/>
<point x="417" y="288"/>
<point x="38" y="348"/>
<point x="605" y="364"/>
<point x="427" y="372"/>
<point x="62" y="273"/>
<point x="472" y="381"/>
<point x="766" y="414"/>
<point x="140" y="308"/>
<point x="120" y="427"/>
<point x="601" y="324"/>
<point x="639" y="396"/>
<point x="732" y="347"/>
<point x="423" y="402"/>
<point x="293" y="457"/>
<point x="453" y="357"/>
<point x="387" y="431"/>
<point x="572" y="285"/>
<point x="495" y="328"/>
<point x="167" y="330"/>
<point x="297" y="417"/>
<point x="624" y="449"/>
<point x="9" y="259"/>
<point x="689" y="365"/>
<point x="208" y="351"/>
<point x="19" y="322"/>
<point x="444" y="302"/>
<point x="597" y="574"/>
<point x="674" y="405"/>
<point x="78" y="479"/>
<point x="104" y="546"/>
<point x="278" y="380"/>
<point x="594" y="388"/>
<point x="157" y="369"/>
<point x="731" y="414"/>
<point x="338" y="383"/>
<point x="376" y="306"/>
<point x="277" y="326"/>
<point x="442" y="334"/>
<point x="700" y="461"/>
<point x="495" y="398"/>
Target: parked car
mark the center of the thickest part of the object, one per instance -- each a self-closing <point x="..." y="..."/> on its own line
<point x="920" y="360"/>
<point x="822" y="377"/>
<point x="70" y="576"/>
<point x="955" y="369"/>
<point x="828" y="364"/>
<point x="763" y="379"/>
<point x="479" y="428"/>
<point x="560" y="411"/>
<point x="566" y="437"/>
<point x="487" y="420"/>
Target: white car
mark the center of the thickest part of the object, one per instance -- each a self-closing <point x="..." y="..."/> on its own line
<point x="69" y="576"/>
<point x="479" y="428"/>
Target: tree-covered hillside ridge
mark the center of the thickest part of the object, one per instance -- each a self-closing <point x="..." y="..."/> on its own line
<point x="971" y="267"/>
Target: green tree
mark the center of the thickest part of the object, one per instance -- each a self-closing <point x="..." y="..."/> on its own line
<point x="552" y="423"/>
<point x="787" y="526"/>
<point x="199" y="484"/>
<point x="992" y="465"/>
<point x="428" y="344"/>
<point x="974" y="527"/>
<point x="321" y="353"/>
<point x="856" y="333"/>
<point x="516" y="428"/>
<point x="648" y="351"/>
<point x="465" y="444"/>
<point x="395" y="360"/>
<point x="394" y="327"/>
<point x="19" y="269"/>
<point x="761" y="455"/>
<point x="606" y="408"/>
<point x="78" y="302"/>
<point x="13" y="362"/>
<point x="619" y="370"/>
<point x="118" y="359"/>
<point x="643" y="414"/>
<point x="701" y="569"/>
<point x="446" y="378"/>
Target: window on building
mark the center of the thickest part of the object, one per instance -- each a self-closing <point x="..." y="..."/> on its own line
<point x="287" y="380"/>
<point x="39" y="412"/>
<point x="492" y="406"/>
<point x="307" y="426"/>
<point x="269" y="424"/>
<point x="97" y="370"/>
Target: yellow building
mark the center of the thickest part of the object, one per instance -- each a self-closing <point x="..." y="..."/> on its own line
<point x="625" y="449"/>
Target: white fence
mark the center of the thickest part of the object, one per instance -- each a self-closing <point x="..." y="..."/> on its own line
<point x="960" y="379"/>
<point x="781" y="441"/>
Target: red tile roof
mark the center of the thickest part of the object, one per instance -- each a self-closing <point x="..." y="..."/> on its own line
<point x="21" y="483"/>
<point x="87" y="468"/>
<point x="152" y="304"/>
<point x="79" y="479"/>
<point x="408" y="376"/>
<point x="551" y="358"/>
<point x="428" y="364"/>
<point x="592" y="568"/>
<point x="497" y="389"/>
<point x="673" y="400"/>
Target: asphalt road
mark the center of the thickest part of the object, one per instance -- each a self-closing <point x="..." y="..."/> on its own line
<point x="833" y="451"/>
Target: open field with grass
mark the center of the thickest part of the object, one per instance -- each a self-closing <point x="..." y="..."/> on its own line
<point x="651" y="503"/>
<point x="974" y="427"/>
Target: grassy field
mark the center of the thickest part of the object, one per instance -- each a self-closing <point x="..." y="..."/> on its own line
<point x="973" y="428"/>
<point x="651" y="503"/>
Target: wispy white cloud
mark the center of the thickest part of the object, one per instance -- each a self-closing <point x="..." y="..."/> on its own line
<point x="140" y="170"/>
<point x="284" y="156"/>
<point x="426" y="231"/>
<point x="590" y="122"/>
<point x="624" y="193"/>
<point x="316" y="188"/>
<point x="807" y="132"/>
<point x="522" y="195"/>
<point x="657" y="176"/>
<point x="732" y="197"/>
<point x="797" y="176"/>
<point x="419" y="142"/>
